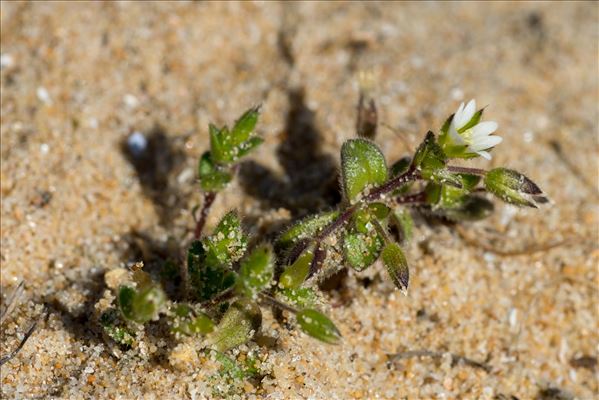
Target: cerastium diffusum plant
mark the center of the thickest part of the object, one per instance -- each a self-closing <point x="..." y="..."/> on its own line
<point x="227" y="282"/>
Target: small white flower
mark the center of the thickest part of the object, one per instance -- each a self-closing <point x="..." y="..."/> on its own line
<point x="477" y="138"/>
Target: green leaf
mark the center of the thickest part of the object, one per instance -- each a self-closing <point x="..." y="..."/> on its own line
<point x="115" y="329"/>
<point x="362" y="250"/>
<point x="143" y="305"/>
<point x="429" y="156"/>
<point x="206" y="280"/>
<point x="238" y="325"/>
<point x="306" y="228"/>
<point x="212" y="177"/>
<point x="363" y="167"/>
<point x="187" y="323"/>
<point x="397" y="266"/>
<point x="246" y="147"/>
<point x="227" y="244"/>
<point x="219" y="151"/>
<point x="400" y="166"/>
<point x="256" y="271"/>
<point x="244" y="126"/>
<point x="125" y="299"/>
<point x="513" y="187"/>
<point x="318" y="326"/>
<point x="402" y="220"/>
<point x="298" y="297"/>
<point x="295" y="274"/>
<point x="468" y="208"/>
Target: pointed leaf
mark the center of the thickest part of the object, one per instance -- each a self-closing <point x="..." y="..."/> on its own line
<point x="306" y="228"/>
<point x="513" y="187"/>
<point x="244" y="126"/>
<point x="300" y="297"/>
<point x="143" y="305"/>
<point x="402" y="221"/>
<point x="256" y="271"/>
<point x="363" y="167"/>
<point x="227" y="244"/>
<point x="212" y="177"/>
<point x="238" y="325"/>
<point x="397" y="266"/>
<point x="318" y="326"/>
<point x="361" y="250"/>
<point x="429" y="156"/>
<point x="295" y="274"/>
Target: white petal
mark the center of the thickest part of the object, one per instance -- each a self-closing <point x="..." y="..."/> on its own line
<point x="457" y="117"/>
<point x="484" y="154"/>
<point x="454" y="135"/>
<point x="485" y="142"/>
<point x="468" y="113"/>
<point x="484" y="129"/>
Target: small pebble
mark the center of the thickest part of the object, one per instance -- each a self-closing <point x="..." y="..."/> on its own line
<point x="137" y="143"/>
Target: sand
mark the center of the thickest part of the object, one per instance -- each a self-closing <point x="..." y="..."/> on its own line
<point x="77" y="79"/>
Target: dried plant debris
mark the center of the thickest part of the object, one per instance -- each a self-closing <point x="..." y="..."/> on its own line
<point x="228" y="279"/>
<point x="11" y="303"/>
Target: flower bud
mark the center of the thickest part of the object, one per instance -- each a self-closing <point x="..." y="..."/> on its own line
<point x="513" y="187"/>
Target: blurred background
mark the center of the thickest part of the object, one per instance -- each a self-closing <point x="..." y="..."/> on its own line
<point x="77" y="79"/>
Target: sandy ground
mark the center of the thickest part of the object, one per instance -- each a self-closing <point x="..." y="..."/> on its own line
<point x="76" y="79"/>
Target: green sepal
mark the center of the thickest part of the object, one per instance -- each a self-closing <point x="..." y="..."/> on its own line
<point x="363" y="166"/>
<point x="318" y="326"/>
<point x="141" y="305"/>
<point x="513" y="187"/>
<point x="256" y="271"/>
<point x="361" y="250"/>
<point x="473" y="121"/>
<point x="295" y="274"/>
<point x="396" y="264"/>
<point x="212" y="177"/>
<point x="306" y="228"/>
<point x="240" y="322"/>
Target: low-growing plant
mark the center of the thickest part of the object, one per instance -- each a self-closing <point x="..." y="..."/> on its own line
<point x="226" y="283"/>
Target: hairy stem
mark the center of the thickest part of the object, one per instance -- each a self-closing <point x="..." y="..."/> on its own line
<point x="208" y="200"/>
<point x="274" y="302"/>
<point x="466" y="170"/>
<point x="411" y="175"/>
<point x="415" y="198"/>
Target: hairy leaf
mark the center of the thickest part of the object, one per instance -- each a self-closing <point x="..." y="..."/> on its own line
<point x="318" y="326"/>
<point x="256" y="271"/>
<point x="306" y="228"/>
<point x="238" y="325"/>
<point x="363" y="166"/>
<point x="396" y="264"/>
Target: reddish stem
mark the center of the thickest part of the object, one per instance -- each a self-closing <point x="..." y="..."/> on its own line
<point x="208" y="200"/>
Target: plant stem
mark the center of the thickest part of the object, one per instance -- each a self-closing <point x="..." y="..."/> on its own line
<point x="333" y="226"/>
<point x="272" y="301"/>
<point x="415" y="198"/>
<point x="466" y="170"/>
<point x="410" y="175"/>
<point x="208" y="200"/>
